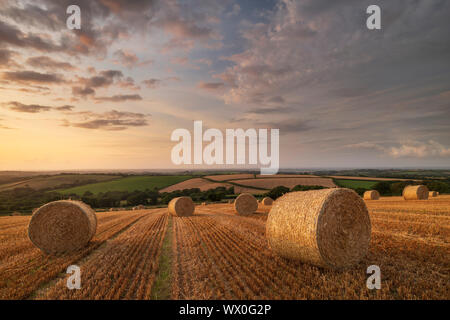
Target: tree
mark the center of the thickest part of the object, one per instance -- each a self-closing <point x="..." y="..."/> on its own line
<point x="277" y="192"/>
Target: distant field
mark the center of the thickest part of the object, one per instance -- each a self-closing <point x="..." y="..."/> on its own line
<point x="129" y="184"/>
<point x="270" y="183"/>
<point x="353" y="184"/>
<point x="57" y="181"/>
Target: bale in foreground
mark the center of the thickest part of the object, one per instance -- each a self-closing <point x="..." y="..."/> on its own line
<point x="245" y="204"/>
<point x="419" y="192"/>
<point x="181" y="207"/>
<point x="267" y="201"/>
<point x="371" y="195"/>
<point x="327" y="228"/>
<point x="62" y="226"/>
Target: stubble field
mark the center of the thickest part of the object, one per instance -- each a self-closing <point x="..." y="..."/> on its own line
<point x="215" y="254"/>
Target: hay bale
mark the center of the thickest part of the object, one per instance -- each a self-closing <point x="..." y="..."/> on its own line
<point x="327" y="228"/>
<point x="267" y="201"/>
<point x="181" y="207"/>
<point x="111" y="209"/>
<point x="15" y="214"/>
<point x="432" y="194"/>
<point x="245" y="204"/>
<point x="419" y="192"/>
<point x="62" y="226"/>
<point x="371" y="195"/>
<point x="203" y="203"/>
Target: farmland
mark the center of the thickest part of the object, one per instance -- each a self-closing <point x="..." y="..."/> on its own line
<point x="130" y="184"/>
<point x="215" y="254"/>
<point x="55" y="181"/>
<point x="356" y="183"/>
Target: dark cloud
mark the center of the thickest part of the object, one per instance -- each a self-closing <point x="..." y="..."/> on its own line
<point x="83" y="92"/>
<point x="119" y="98"/>
<point x="87" y="86"/>
<point x="33" y="77"/>
<point x="46" y="62"/>
<point x="13" y="36"/>
<point x="6" y="57"/>
<point x="211" y="86"/>
<point x="152" y="83"/>
<point x="110" y="121"/>
<point x="34" y="108"/>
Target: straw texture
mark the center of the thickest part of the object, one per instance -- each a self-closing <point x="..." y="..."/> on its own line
<point x="419" y="192"/>
<point x="245" y="204"/>
<point x="62" y="226"/>
<point x="371" y="195"/>
<point x="267" y="201"/>
<point x="327" y="228"/>
<point x="181" y="207"/>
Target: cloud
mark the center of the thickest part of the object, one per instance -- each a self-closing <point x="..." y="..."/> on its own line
<point x="9" y="34"/>
<point x="419" y="150"/>
<point x="48" y="63"/>
<point x="109" y="121"/>
<point x="126" y="58"/>
<point x="272" y="110"/>
<point x="82" y="92"/>
<point x="119" y="98"/>
<point x="6" y="57"/>
<point x="155" y="83"/>
<point x="409" y="149"/>
<point x="86" y="86"/>
<point x="33" y="77"/>
<point x="152" y="83"/>
<point x="35" y="108"/>
<point x="211" y="86"/>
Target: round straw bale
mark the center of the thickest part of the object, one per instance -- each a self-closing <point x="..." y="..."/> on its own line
<point x="203" y="203"/>
<point x="62" y="226"/>
<point x="327" y="228"/>
<point x="419" y="192"/>
<point x="245" y="204"/>
<point x="267" y="201"/>
<point x="432" y="194"/>
<point x="371" y="195"/>
<point x="181" y="206"/>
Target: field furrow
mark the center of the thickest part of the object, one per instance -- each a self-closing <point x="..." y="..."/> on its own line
<point x="26" y="271"/>
<point x="124" y="268"/>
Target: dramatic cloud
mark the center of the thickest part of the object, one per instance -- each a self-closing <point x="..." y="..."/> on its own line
<point x="45" y="62"/>
<point x="33" y="77"/>
<point x="110" y="121"/>
<point x="119" y="98"/>
<point x="211" y="86"/>
<point x="9" y="34"/>
<point x="34" y="108"/>
<point x="5" y="57"/>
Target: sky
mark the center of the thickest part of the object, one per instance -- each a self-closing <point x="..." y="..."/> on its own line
<point x="108" y="96"/>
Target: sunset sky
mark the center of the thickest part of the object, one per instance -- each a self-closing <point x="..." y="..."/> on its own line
<point x="108" y="96"/>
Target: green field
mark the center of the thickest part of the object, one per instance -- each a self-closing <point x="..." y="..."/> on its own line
<point x="129" y="184"/>
<point x="354" y="184"/>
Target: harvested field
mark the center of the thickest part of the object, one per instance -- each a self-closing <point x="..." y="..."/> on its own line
<point x="287" y="182"/>
<point x="216" y="254"/>
<point x="200" y="183"/>
<point x="286" y="176"/>
<point x="371" y="178"/>
<point x="225" y="177"/>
